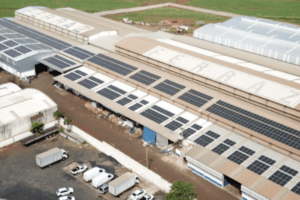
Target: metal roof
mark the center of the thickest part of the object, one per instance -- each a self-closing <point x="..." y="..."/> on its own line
<point x="8" y="88"/>
<point x="260" y="36"/>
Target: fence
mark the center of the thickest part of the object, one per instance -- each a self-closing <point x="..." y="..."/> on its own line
<point x="123" y="159"/>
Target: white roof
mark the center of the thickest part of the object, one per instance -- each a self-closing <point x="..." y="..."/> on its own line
<point x="24" y="103"/>
<point x="8" y="88"/>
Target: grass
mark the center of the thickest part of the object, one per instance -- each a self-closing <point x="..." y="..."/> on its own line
<point x="279" y="10"/>
<point x="159" y="14"/>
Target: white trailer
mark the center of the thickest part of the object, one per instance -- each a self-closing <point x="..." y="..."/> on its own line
<point x="122" y="183"/>
<point x="50" y="157"/>
<point x="101" y="179"/>
<point x="92" y="173"/>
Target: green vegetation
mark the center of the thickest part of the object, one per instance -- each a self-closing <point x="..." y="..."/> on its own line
<point x="57" y="114"/>
<point x="61" y="130"/>
<point x="37" y="127"/>
<point x="68" y="121"/>
<point x="279" y="10"/>
<point x="172" y="14"/>
<point x="182" y="191"/>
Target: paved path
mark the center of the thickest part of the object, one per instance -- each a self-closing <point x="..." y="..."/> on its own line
<point x="136" y="9"/>
<point x="104" y="130"/>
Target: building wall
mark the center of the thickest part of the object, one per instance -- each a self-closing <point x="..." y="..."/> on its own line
<point x="24" y="124"/>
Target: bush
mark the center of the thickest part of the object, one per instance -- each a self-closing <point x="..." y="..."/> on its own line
<point x="61" y="130"/>
<point x="68" y="121"/>
<point x="182" y="191"/>
<point x="57" y="114"/>
<point x="37" y="127"/>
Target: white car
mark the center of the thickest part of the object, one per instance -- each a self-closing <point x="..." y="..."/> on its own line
<point x="139" y="194"/>
<point x="64" y="191"/>
<point x="66" y="198"/>
<point x="79" y="169"/>
<point x="148" y="197"/>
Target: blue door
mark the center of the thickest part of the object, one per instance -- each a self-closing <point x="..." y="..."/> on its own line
<point x="149" y="136"/>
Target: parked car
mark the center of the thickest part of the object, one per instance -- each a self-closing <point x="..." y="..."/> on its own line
<point x="103" y="188"/>
<point x="79" y="169"/>
<point x="148" y="197"/>
<point x="138" y="194"/>
<point x="66" y="198"/>
<point x="64" y="191"/>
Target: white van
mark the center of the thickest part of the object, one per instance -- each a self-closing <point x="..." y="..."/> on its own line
<point x="101" y="179"/>
<point x="92" y="173"/>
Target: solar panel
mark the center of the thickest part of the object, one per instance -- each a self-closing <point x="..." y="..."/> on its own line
<point x="51" y="43"/>
<point x="173" y="125"/>
<point x="56" y="62"/>
<point x="12" y="53"/>
<point x="117" y="89"/>
<point x="150" y="74"/>
<point x="42" y="46"/>
<point x="238" y="157"/>
<point x="29" y="41"/>
<point x="144" y="102"/>
<point x="10" y="43"/>
<point x="221" y="148"/>
<point x="76" y="53"/>
<point x="258" y="167"/>
<point x="188" y="132"/>
<point x="199" y="94"/>
<point x="113" y="67"/>
<point x="229" y="142"/>
<point x="203" y="140"/>
<point x="2" y="38"/>
<point x="6" y="31"/>
<point x="3" y="47"/>
<point x="131" y="96"/>
<point x="212" y="134"/>
<point x="247" y="150"/>
<point x="72" y="76"/>
<point x="166" y="112"/>
<point x="260" y="118"/>
<point x="64" y="60"/>
<point x="255" y="125"/>
<point x="88" y="84"/>
<point x="166" y="89"/>
<point x="56" y="40"/>
<point x="174" y="84"/>
<point x="108" y="94"/>
<point x="196" y="126"/>
<point x="142" y="79"/>
<point x="182" y="120"/>
<point x="267" y="160"/>
<point x="97" y="80"/>
<point x="296" y="188"/>
<point x="80" y="72"/>
<point x="194" y="100"/>
<point x="154" y="116"/>
<point x="32" y="47"/>
<point x="132" y="68"/>
<point x="22" y="49"/>
<point x="135" y="106"/>
<point x="280" y="178"/>
<point x="289" y="170"/>
<point x="84" y="51"/>
<point x="124" y="101"/>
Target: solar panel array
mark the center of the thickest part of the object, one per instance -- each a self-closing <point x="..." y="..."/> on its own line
<point x="261" y="165"/>
<point x="195" y="98"/>
<point x="238" y="157"/>
<point x="189" y="131"/>
<point x="257" y="123"/>
<point x="113" y="65"/>
<point x="221" y="148"/>
<point x="280" y="178"/>
<point x="145" y="77"/>
<point x="90" y="82"/>
<point x="12" y="53"/>
<point x="157" y="114"/>
<point x="59" y="61"/>
<point x="111" y="92"/>
<point x="75" y="75"/>
<point x="3" y="47"/>
<point x="169" y="87"/>
<point x="35" y="35"/>
<point x="127" y="100"/>
<point x="22" y="49"/>
<point x="79" y="53"/>
<point x="206" y="138"/>
<point x="135" y="106"/>
<point x="296" y="188"/>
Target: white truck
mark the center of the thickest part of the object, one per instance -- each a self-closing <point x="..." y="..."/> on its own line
<point x="92" y="173"/>
<point x="50" y="157"/>
<point x="101" y="179"/>
<point x="123" y="183"/>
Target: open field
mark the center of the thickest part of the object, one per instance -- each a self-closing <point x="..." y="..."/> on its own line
<point x="171" y="14"/>
<point x="281" y="10"/>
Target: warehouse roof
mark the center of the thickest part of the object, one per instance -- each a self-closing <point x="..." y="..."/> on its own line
<point x="249" y="81"/>
<point x="8" y="88"/>
<point x="23" y="104"/>
<point x="260" y="36"/>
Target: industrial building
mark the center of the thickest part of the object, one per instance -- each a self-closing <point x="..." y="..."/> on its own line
<point x="238" y="109"/>
<point x="19" y="108"/>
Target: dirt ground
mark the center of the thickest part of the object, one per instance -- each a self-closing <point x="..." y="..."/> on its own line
<point x="104" y="130"/>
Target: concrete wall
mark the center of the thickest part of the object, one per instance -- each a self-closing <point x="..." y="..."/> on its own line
<point x="123" y="159"/>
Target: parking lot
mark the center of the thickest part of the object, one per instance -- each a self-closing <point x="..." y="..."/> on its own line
<point x="21" y="178"/>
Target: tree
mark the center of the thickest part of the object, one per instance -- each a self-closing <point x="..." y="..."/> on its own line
<point x="57" y="114"/>
<point x="68" y="121"/>
<point x="37" y="127"/>
<point x="61" y="130"/>
<point x="182" y="191"/>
